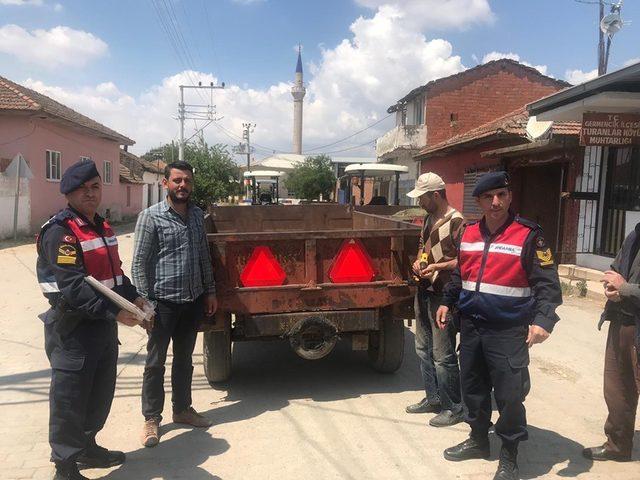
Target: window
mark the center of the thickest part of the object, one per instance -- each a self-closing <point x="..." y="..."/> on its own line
<point x="418" y="111"/>
<point x="128" y="196"/>
<point x="53" y="165"/>
<point x="85" y="159"/>
<point x="107" y="172"/>
<point x="453" y="117"/>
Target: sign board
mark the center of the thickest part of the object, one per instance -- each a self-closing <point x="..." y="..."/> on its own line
<point x="610" y="129"/>
<point x="23" y="171"/>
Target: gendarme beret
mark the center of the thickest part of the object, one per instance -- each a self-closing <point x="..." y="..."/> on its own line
<point x="78" y="173"/>
<point x="491" y="181"/>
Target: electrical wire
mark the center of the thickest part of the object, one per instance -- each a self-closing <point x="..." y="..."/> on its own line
<point x="350" y="136"/>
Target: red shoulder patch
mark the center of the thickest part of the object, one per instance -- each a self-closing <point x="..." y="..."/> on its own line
<point x="69" y="239"/>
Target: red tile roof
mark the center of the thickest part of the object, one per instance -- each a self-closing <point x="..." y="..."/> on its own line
<point x="15" y="97"/>
<point x="511" y="124"/>
<point x="126" y="176"/>
<point x="153" y="167"/>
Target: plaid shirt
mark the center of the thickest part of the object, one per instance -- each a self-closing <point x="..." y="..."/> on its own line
<point x="171" y="258"/>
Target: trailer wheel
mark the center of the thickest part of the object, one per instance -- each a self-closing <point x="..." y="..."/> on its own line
<point x="216" y="353"/>
<point x="386" y="347"/>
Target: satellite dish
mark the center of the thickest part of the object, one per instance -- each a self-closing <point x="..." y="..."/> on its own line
<point x="538" y="130"/>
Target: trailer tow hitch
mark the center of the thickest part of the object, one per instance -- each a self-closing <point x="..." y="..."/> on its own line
<point x="313" y="338"/>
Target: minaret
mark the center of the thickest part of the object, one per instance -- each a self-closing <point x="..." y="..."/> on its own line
<point x="298" y="91"/>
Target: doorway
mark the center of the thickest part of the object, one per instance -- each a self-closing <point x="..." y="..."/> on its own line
<point x="536" y="193"/>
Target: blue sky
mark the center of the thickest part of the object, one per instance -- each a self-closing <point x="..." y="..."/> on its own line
<point x="114" y="58"/>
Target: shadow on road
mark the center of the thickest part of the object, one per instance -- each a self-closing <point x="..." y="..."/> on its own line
<point x="177" y="457"/>
<point x="268" y="375"/>
<point x="545" y="449"/>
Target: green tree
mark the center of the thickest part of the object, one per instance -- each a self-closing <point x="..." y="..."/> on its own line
<point x="216" y="174"/>
<point x="312" y="178"/>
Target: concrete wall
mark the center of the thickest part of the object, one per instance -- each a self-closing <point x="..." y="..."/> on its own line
<point x="32" y="136"/>
<point x="7" y="206"/>
<point x="480" y="97"/>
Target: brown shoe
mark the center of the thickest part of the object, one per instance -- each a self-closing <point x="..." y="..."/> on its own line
<point x="150" y="435"/>
<point x="191" y="417"/>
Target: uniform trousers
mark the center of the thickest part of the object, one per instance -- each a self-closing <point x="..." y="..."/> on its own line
<point x="494" y="357"/>
<point x="83" y="379"/>
<point x="621" y="387"/>
<point x="175" y="322"/>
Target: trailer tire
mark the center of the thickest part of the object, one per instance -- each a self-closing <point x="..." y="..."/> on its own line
<point x="216" y="355"/>
<point x="386" y="347"/>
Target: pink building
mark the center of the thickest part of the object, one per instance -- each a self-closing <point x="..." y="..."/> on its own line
<point x="51" y="137"/>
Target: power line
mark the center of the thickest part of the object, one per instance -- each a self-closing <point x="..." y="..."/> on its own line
<point x="350" y="136"/>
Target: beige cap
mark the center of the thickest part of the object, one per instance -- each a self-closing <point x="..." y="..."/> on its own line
<point x="427" y="182"/>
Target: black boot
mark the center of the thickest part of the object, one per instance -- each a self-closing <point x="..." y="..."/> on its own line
<point x="68" y="471"/>
<point x="99" y="457"/>
<point x="476" y="446"/>
<point x="508" y="465"/>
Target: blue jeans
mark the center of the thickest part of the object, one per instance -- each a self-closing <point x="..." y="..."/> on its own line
<point x="437" y="352"/>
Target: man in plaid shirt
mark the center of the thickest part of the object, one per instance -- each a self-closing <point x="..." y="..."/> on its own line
<point x="437" y="256"/>
<point x="172" y="267"/>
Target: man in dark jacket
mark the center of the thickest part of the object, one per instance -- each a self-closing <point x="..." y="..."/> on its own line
<point x="621" y="371"/>
<point x="81" y="336"/>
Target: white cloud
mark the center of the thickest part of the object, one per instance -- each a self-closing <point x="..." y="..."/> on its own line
<point x="60" y="46"/>
<point x="489" y="57"/>
<point x="631" y="61"/>
<point x="437" y="15"/>
<point x="575" y="77"/>
<point x="21" y="3"/>
<point x="348" y="89"/>
<point x="58" y="7"/>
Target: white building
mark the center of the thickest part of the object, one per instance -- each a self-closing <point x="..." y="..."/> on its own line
<point x="399" y="145"/>
<point x="151" y="174"/>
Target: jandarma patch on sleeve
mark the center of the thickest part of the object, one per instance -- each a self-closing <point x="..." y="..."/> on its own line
<point x="540" y="243"/>
<point x="67" y="250"/>
<point x="545" y="256"/>
<point x="67" y="254"/>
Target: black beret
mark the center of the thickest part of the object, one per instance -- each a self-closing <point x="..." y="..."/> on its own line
<point x="491" y="181"/>
<point x="78" y="173"/>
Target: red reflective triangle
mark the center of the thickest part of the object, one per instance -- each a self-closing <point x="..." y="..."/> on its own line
<point x="352" y="264"/>
<point x="262" y="269"/>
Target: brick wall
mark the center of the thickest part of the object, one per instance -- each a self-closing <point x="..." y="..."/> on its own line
<point x="482" y="96"/>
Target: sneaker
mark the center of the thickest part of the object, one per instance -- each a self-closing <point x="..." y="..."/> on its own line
<point x="68" y="471"/>
<point x="446" y="418"/>
<point x="191" y="417"/>
<point x="99" y="457"/>
<point x="424" y="406"/>
<point x="150" y="434"/>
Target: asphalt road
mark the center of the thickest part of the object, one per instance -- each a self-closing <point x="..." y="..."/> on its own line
<point x="281" y="417"/>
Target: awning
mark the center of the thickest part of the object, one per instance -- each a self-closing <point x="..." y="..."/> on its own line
<point x="374" y="170"/>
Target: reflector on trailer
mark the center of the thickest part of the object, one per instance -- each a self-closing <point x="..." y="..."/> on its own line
<point x="262" y="269"/>
<point x="352" y="264"/>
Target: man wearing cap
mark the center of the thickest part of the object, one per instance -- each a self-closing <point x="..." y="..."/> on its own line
<point x="436" y="348"/>
<point x="81" y="336"/>
<point x="507" y="289"/>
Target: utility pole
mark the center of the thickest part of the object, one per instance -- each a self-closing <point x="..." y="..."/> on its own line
<point x="246" y="135"/>
<point x="195" y="112"/>
<point x="601" y="67"/>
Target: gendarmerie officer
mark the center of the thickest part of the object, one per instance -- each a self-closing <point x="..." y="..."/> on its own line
<point x="506" y="288"/>
<point x="81" y="338"/>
